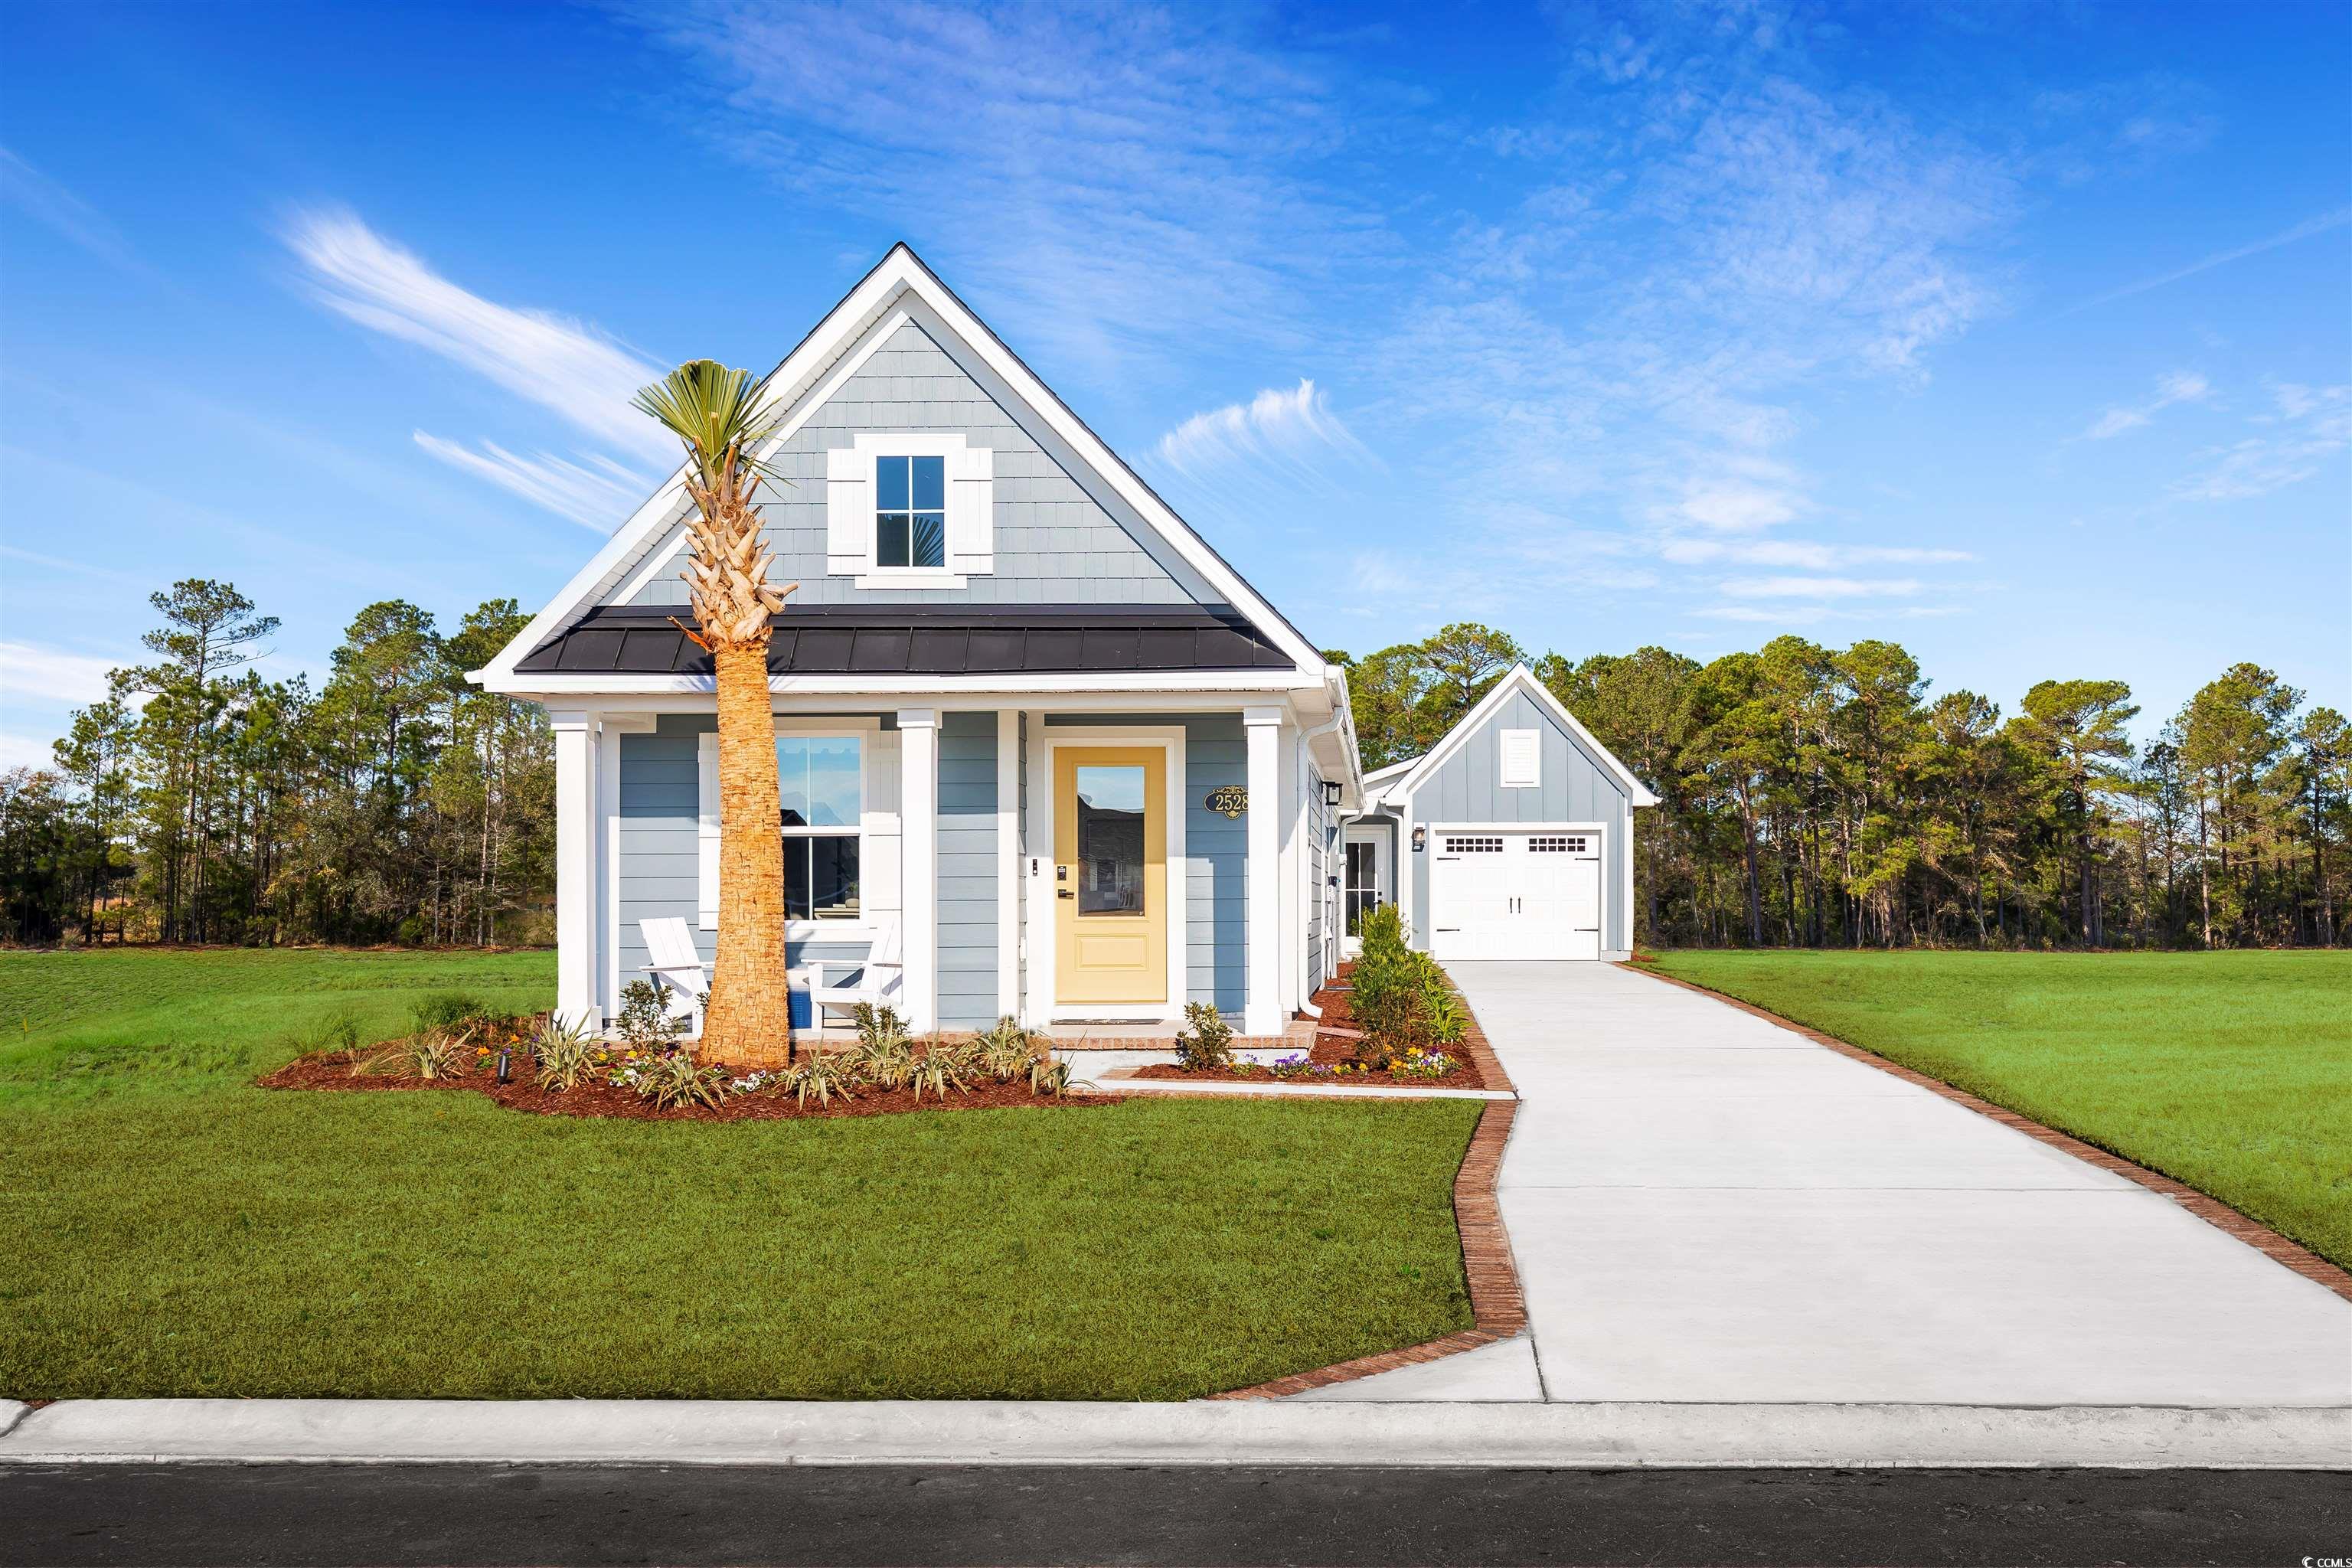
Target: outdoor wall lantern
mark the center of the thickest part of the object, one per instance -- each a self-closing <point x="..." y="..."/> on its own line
<point x="1332" y="788"/>
<point x="1419" y="838"/>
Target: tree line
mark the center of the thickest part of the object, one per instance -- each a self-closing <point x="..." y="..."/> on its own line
<point x="198" y="802"/>
<point x="1815" y="796"/>
<point x="1810" y="796"/>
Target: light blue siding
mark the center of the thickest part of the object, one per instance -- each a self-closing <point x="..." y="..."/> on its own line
<point x="661" y="846"/>
<point x="1319" y="865"/>
<point x="968" y="872"/>
<point x="1576" y="787"/>
<point x="1216" y="852"/>
<point x="1054" y="543"/>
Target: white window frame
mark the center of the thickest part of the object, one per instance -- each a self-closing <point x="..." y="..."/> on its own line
<point x="813" y="923"/>
<point x="874" y="566"/>
<point x="1532" y="743"/>
<point x="872" y="821"/>
<point x="970" y="546"/>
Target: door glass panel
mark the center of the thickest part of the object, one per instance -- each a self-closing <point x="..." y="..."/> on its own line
<point x="1110" y="840"/>
<point x="1363" y="884"/>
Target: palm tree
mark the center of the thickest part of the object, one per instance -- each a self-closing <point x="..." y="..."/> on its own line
<point x="716" y="413"/>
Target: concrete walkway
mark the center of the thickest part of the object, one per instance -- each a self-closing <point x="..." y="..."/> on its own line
<point x="1704" y="1207"/>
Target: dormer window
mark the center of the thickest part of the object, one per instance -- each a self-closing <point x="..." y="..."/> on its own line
<point x="910" y="523"/>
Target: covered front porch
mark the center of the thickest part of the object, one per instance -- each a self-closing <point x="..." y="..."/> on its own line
<point x="1087" y="866"/>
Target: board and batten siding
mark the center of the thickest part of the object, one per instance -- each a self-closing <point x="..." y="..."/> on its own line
<point x="1575" y="787"/>
<point x="1054" y="543"/>
<point x="1216" y="852"/>
<point x="968" y="872"/>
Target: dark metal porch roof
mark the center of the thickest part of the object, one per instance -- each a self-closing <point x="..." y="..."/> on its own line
<point x="946" y="640"/>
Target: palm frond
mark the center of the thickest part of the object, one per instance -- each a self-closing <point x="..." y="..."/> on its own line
<point x="718" y="412"/>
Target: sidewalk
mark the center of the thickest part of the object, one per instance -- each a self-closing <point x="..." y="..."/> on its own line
<point x="1255" y="1432"/>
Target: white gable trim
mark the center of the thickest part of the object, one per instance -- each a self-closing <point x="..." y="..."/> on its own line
<point x="1519" y="678"/>
<point x="806" y="378"/>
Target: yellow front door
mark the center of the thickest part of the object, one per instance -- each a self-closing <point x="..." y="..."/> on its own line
<point x="1110" y="875"/>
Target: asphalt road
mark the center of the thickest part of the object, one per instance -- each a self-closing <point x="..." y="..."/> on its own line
<point x="345" y="1514"/>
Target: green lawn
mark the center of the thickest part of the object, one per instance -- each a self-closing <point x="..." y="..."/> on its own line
<point x="2230" y="1071"/>
<point x="166" y="1229"/>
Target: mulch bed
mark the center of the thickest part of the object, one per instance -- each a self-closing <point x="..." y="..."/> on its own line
<point x="333" y="1070"/>
<point x="1334" y="1050"/>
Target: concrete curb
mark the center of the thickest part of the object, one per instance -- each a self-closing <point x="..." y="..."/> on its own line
<point x="1252" y="1432"/>
<point x="11" y="1412"/>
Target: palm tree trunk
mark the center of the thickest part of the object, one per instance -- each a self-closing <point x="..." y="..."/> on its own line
<point x="750" y="1021"/>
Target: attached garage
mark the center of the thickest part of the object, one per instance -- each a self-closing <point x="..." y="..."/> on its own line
<point x="1513" y="837"/>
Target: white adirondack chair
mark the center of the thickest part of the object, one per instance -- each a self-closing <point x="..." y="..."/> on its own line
<point x="677" y="965"/>
<point x="885" y="959"/>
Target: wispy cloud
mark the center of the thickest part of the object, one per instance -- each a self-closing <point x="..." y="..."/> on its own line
<point x="597" y="493"/>
<point x="2180" y="386"/>
<point x="2304" y="230"/>
<point x="578" y="372"/>
<point x="1289" y="428"/>
<point x="2311" y="427"/>
<point x="48" y="203"/>
<point x="1641" y="357"/>
<point x="1107" y="179"/>
<point x="1811" y="555"/>
<point x="34" y="674"/>
<point x="1819" y="587"/>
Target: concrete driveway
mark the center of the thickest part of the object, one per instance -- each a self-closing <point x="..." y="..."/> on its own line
<point x="1705" y="1208"/>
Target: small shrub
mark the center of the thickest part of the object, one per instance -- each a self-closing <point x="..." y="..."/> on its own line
<point x="824" y="1074"/>
<point x="445" y="1010"/>
<point x="339" y="1033"/>
<point x="673" y="1080"/>
<point x="1051" y="1075"/>
<point x="1446" y="1018"/>
<point x="1205" y="1043"/>
<point x="941" y="1068"/>
<point x="429" y="1054"/>
<point x="645" y="1020"/>
<point x="877" y="1023"/>
<point x="565" y="1053"/>
<point x="1008" y="1050"/>
<point x="883" y="1055"/>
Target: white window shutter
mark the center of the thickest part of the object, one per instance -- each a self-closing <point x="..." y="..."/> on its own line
<point x="971" y="510"/>
<point x="848" y="510"/>
<point x="1522" y="759"/>
<point x="706" y="774"/>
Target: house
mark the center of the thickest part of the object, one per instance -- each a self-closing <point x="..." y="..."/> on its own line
<point x="1025" y="717"/>
<point x="1512" y="837"/>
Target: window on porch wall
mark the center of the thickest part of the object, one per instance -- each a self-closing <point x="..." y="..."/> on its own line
<point x="820" y="787"/>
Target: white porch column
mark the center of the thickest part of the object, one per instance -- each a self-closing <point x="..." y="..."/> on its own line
<point x="1010" y="884"/>
<point x="919" y="821"/>
<point x="576" y="770"/>
<point x="1263" y="1015"/>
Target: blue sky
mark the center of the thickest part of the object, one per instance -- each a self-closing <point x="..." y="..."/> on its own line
<point x="2021" y="334"/>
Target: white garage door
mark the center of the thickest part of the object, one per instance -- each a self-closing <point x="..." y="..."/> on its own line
<point x="1525" y="892"/>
